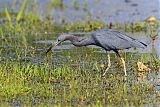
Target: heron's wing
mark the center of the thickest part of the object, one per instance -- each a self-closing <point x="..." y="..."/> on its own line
<point x="133" y="42"/>
<point x="114" y="40"/>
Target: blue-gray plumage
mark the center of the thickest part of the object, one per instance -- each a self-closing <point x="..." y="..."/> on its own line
<point x="106" y="39"/>
<point x="114" y="40"/>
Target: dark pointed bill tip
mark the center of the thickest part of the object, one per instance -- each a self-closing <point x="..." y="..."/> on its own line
<point x="49" y="49"/>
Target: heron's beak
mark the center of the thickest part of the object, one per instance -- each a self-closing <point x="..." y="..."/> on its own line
<point x="55" y="44"/>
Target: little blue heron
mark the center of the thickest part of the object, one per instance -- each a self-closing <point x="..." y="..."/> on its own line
<point x="106" y="39"/>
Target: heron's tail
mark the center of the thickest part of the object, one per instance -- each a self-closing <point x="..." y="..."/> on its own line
<point x="139" y="44"/>
<point x="143" y="44"/>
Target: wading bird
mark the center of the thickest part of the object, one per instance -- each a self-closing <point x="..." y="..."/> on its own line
<point x="106" y="39"/>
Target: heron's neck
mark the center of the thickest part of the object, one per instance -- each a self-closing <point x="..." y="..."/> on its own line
<point x="77" y="41"/>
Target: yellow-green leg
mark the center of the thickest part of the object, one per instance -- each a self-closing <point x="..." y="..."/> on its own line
<point x="124" y="66"/>
<point x="109" y="65"/>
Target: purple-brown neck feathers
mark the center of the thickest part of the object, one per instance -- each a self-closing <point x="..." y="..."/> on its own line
<point x="75" y="40"/>
<point x="72" y="38"/>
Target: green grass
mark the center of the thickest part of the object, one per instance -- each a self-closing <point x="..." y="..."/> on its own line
<point x="72" y="82"/>
<point x="68" y="77"/>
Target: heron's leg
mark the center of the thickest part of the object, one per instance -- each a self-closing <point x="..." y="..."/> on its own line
<point x="109" y="65"/>
<point x="123" y="62"/>
<point x="124" y="66"/>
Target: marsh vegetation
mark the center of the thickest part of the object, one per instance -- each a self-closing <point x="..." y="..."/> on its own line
<point x="69" y="76"/>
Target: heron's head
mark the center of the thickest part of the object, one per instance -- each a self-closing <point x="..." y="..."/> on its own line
<point x="61" y="38"/>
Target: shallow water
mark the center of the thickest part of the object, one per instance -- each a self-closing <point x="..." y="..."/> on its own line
<point x="122" y="11"/>
<point x="157" y="46"/>
<point x="77" y="71"/>
<point x="70" y="75"/>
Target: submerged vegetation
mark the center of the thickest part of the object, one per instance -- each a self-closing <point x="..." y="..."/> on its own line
<point x="68" y="77"/>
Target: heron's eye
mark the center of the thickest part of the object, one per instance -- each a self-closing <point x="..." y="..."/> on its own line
<point x="59" y="40"/>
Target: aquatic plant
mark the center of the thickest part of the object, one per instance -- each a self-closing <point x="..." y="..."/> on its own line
<point x="75" y="4"/>
<point x="21" y="10"/>
<point x="69" y="77"/>
<point x="57" y="4"/>
<point x="8" y="16"/>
